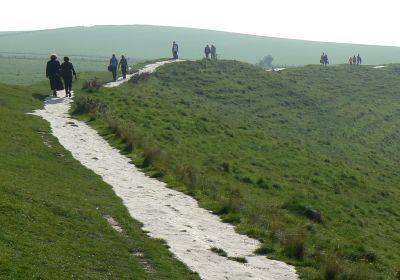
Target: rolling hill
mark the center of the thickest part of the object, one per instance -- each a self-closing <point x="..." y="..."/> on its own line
<point x="149" y="42"/>
<point x="305" y="159"/>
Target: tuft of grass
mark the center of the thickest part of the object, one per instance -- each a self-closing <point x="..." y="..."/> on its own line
<point x="295" y="247"/>
<point x="238" y="259"/>
<point x="219" y="251"/>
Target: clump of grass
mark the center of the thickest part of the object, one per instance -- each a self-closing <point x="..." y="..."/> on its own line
<point x="264" y="249"/>
<point x="332" y="270"/>
<point x="92" y="85"/>
<point x="226" y="167"/>
<point x="150" y="155"/>
<point x="139" y="77"/>
<point x="238" y="259"/>
<point x="233" y="204"/>
<point x="219" y="251"/>
<point x="294" y="247"/>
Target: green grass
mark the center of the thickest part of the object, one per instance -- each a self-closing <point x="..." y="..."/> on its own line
<point x="305" y="160"/>
<point x="52" y="209"/>
<point x="29" y="69"/>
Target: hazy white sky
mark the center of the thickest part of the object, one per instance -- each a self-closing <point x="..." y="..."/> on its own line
<point x="352" y="21"/>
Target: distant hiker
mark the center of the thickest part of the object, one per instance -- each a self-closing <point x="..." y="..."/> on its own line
<point x="175" y="50"/>
<point x="67" y="70"/>
<point x="359" y="59"/>
<point x="113" y="66"/>
<point x="213" y="52"/>
<point x="207" y="51"/>
<point x="324" y="59"/>
<point x="351" y="60"/>
<point x="354" y="60"/>
<point x="53" y="73"/>
<point x="124" y="66"/>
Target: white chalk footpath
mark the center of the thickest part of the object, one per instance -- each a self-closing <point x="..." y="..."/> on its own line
<point x="189" y="230"/>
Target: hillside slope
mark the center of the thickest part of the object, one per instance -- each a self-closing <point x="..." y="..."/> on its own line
<point x="149" y="42"/>
<point x="53" y="211"/>
<point x="305" y="159"/>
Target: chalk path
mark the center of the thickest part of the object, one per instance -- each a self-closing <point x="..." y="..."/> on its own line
<point x="189" y="230"/>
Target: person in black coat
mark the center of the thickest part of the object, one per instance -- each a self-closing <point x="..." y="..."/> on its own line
<point x="53" y="73"/>
<point x="124" y="66"/>
<point x="67" y="69"/>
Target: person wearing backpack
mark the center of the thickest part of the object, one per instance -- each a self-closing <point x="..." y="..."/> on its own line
<point x="67" y="70"/>
<point x="124" y="66"/>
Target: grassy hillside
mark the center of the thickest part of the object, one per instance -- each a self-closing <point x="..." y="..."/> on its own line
<point x="305" y="160"/>
<point x="148" y="42"/>
<point x="52" y="209"/>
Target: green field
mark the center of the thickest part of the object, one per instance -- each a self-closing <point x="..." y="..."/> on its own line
<point x="52" y="209"/>
<point x="306" y="159"/>
<point x="28" y="69"/>
<point x="149" y="42"/>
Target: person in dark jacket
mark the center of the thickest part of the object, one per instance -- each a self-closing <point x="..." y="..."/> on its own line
<point x="114" y="66"/>
<point x="124" y="66"/>
<point x="53" y="73"/>
<point x="213" y="52"/>
<point x="207" y="51"/>
<point x="67" y="70"/>
<point x="175" y="50"/>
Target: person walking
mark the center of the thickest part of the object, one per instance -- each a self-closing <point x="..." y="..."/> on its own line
<point x="213" y="52"/>
<point x="67" y="70"/>
<point x="354" y="60"/>
<point x="53" y="73"/>
<point x="113" y="66"/>
<point x="207" y="51"/>
<point x="359" y="60"/>
<point x="124" y="66"/>
<point x="351" y="60"/>
<point x="175" y="50"/>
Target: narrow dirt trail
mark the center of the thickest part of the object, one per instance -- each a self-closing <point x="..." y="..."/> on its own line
<point x="189" y="230"/>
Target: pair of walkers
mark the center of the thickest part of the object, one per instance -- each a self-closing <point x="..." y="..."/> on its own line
<point x="55" y="71"/>
<point x="114" y="65"/>
<point x="210" y="51"/>
<point x="355" y="60"/>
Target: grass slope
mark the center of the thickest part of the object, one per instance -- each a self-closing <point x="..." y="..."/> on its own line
<point x="52" y="208"/>
<point x="305" y="160"/>
<point x="149" y="42"/>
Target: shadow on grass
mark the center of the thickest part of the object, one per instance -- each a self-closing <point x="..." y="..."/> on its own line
<point x="39" y="96"/>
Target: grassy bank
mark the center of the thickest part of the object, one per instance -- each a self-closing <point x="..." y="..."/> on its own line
<point x="304" y="159"/>
<point x="52" y="210"/>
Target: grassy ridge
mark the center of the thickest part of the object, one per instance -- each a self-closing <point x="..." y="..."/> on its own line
<point x="305" y="159"/>
<point x="52" y="209"/>
<point x="149" y="42"/>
